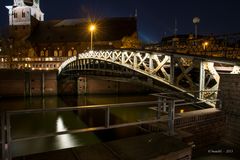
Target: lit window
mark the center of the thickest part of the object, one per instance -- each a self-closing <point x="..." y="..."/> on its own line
<point x="55" y="53"/>
<point x="42" y="53"/>
<point x="46" y="53"/>
<point x="74" y="52"/>
<point x="70" y="53"/>
<point x="60" y="53"/>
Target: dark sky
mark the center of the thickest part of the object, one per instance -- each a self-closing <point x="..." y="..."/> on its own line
<point x="155" y="17"/>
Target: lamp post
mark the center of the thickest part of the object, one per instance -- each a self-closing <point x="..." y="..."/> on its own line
<point x="205" y="44"/>
<point x="196" y="21"/>
<point x="92" y="28"/>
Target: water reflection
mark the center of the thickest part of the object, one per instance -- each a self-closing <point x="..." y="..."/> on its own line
<point x="66" y="140"/>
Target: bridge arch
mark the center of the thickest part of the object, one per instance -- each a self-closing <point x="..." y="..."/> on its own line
<point x="155" y="65"/>
<point x="151" y="65"/>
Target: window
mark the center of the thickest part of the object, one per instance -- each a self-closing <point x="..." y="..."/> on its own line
<point x="60" y="53"/>
<point x="46" y="53"/>
<point x="70" y="53"/>
<point x="55" y="53"/>
<point x="23" y="15"/>
<point x="74" y="52"/>
<point x="42" y="53"/>
<point x="15" y="15"/>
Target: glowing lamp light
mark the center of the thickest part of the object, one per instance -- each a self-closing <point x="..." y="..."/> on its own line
<point x="92" y="28"/>
<point x="205" y="44"/>
<point x="182" y="111"/>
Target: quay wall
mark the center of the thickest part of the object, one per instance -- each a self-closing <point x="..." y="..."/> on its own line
<point x="205" y="127"/>
<point x="27" y="83"/>
<point x="45" y="83"/>
<point x="230" y="96"/>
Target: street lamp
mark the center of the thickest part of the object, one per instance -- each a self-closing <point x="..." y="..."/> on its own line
<point x="92" y="28"/>
<point x="205" y="44"/>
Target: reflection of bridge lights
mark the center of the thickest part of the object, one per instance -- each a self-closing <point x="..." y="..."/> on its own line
<point x="65" y="140"/>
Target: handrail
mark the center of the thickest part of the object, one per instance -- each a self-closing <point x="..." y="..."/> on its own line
<point x="80" y="107"/>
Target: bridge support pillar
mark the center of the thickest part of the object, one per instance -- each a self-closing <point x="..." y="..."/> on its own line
<point x="43" y="83"/>
<point x="171" y="117"/>
<point x="82" y="85"/>
<point x="27" y="84"/>
<point x="164" y="105"/>
<point x="201" y="80"/>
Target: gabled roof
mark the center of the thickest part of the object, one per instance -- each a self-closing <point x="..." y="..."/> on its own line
<point x="76" y="30"/>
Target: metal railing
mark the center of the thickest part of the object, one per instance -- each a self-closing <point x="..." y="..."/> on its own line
<point x="165" y="103"/>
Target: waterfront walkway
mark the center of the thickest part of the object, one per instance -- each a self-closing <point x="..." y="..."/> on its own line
<point x="150" y="146"/>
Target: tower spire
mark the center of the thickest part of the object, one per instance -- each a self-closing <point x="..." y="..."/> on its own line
<point x="21" y="11"/>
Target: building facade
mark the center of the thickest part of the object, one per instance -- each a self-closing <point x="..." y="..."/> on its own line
<point x="29" y="35"/>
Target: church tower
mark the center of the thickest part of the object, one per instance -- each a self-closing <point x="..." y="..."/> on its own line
<point x="21" y="12"/>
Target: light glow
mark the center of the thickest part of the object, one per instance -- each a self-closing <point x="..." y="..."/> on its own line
<point x="92" y="28"/>
<point x="65" y="140"/>
<point x="205" y="44"/>
<point x="182" y="111"/>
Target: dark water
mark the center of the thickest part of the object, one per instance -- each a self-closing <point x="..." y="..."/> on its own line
<point x="27" y="125"/>
<point x="36" y="124"/>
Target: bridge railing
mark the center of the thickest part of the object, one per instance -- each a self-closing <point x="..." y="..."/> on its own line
<point x="230" y="53"/>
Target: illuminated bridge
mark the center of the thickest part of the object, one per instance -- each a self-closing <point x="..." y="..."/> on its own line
<point x="182" y="72"/>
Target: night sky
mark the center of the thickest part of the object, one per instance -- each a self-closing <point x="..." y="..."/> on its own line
<point x="156" y="18"/>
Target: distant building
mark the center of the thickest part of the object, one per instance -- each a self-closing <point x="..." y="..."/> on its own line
<point x="30" y="36"/>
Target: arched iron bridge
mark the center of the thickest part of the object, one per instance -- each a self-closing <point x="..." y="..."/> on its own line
<point x="181" y="72"/>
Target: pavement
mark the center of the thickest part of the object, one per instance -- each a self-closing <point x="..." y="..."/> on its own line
<point x="144" y="147"/>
